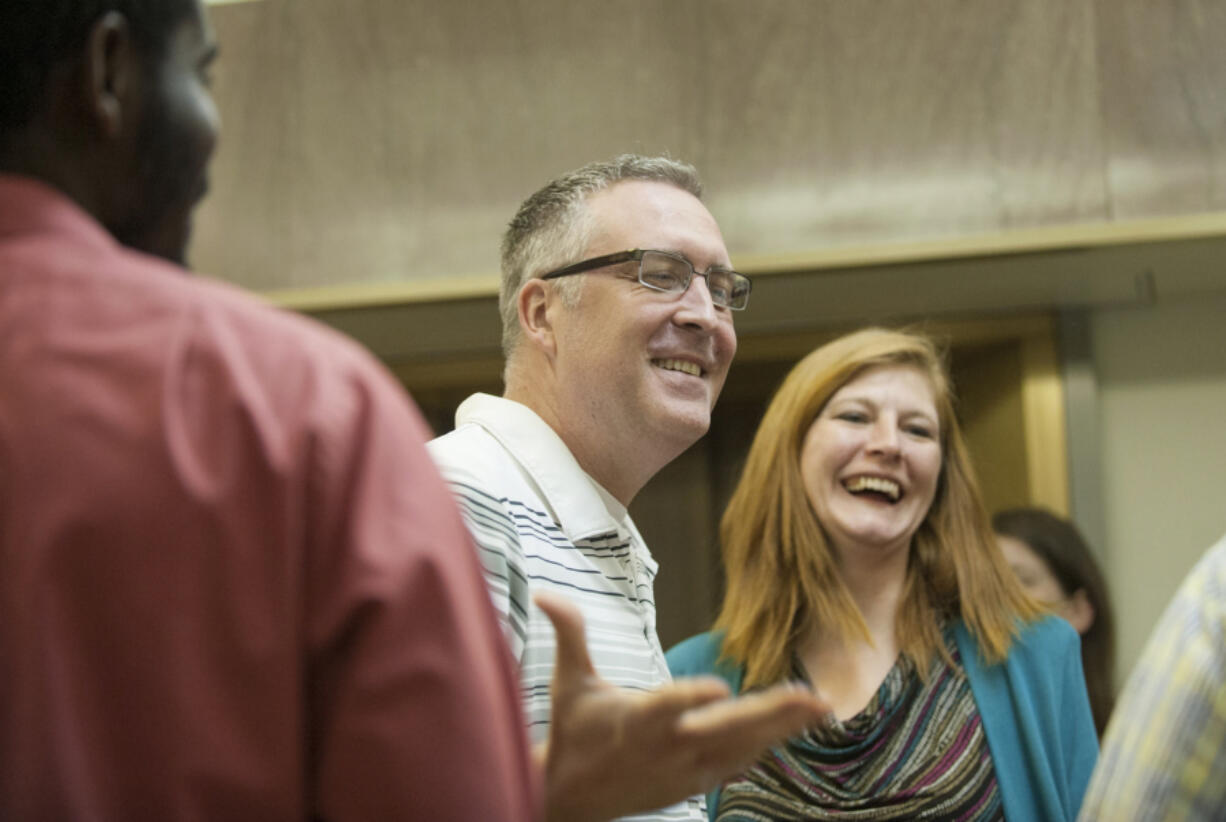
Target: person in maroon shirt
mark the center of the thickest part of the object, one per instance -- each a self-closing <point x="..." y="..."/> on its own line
<point x="232" y="584"/>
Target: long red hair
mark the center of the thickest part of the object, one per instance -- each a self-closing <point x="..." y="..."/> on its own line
<point x="782" y="576"/>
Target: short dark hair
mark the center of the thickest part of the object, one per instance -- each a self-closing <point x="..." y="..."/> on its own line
<point x="35" y="35"/>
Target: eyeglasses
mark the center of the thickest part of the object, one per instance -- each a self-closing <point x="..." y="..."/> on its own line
<point x="671" y="273"/>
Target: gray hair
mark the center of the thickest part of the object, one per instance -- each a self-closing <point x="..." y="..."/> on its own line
<point x="553" y="227"/>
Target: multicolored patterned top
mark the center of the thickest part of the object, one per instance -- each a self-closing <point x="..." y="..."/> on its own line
<point x="916" y="751"/>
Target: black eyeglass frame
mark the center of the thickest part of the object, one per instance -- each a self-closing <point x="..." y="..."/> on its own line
<point x="637" y="254"/>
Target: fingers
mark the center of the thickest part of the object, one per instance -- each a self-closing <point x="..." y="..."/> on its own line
<point x="668" y="703"/>
<point x="719" y="737"/>
<point x="754" y="721"/>
<point x="726" y="736"/>
<point x="571" y="659"/>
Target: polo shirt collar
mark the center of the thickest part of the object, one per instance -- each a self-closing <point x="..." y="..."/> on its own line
<point x="582" y="507"/>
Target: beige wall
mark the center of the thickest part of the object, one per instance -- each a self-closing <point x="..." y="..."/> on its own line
<point x="388" y="141"/>
<point x="1162" y="406"/>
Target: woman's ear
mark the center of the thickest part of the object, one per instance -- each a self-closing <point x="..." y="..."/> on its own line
<point x="1079" y="611"/>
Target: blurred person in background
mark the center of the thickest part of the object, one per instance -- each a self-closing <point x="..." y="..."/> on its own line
<point x="1056" y="567"/>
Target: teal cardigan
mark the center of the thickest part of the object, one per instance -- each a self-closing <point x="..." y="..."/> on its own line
<point x="1034" y="709"/>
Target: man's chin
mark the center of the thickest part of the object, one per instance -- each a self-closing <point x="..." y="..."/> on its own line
<point x="686" y="425"/>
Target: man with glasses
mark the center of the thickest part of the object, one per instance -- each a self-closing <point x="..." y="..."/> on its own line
<point x="617" y="305"/>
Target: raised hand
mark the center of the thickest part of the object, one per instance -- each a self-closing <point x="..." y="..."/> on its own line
<point x="614" y="752"/>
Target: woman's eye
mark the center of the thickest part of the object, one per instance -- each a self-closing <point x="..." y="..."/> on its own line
<point x="920" y="431"/>
<point x="853" y="416"/>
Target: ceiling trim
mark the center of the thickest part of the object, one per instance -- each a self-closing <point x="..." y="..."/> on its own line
<point x="1059" y="240"/>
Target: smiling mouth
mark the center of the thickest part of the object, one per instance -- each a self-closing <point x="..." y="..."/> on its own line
<point x="878" y="487"/>
<point x="684" y="366"/>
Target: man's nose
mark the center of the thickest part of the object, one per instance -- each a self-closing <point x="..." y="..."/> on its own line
<point x="695" y="307"/>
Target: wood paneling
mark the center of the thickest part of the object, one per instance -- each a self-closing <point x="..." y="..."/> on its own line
<point x="391" y="140"/>
<point x="1044" y="425"/>
<point x="388" y="141"/>
<point x="989" y="380"/>
<point x="1163" y="75"/>
<point x="878" y="121"/>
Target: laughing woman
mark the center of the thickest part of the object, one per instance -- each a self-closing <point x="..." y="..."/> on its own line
<point x="860" y="559"/>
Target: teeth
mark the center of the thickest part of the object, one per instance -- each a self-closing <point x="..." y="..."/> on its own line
<point x="878" y="484"/>
<point x="680" y="365"/>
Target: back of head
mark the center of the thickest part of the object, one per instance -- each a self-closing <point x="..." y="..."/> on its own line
<point x="781" y="570"/>
<point x="550" y="230"/>
<point x="1058" y="543"/>
<point x="107" y="101"/>
<point x="38" y="35"/>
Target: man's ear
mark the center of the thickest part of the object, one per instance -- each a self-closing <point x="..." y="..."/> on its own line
<point x="110" y="73"/>
<point x="536" y="304"/>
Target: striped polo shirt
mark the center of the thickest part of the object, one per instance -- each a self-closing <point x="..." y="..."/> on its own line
<point x="539" y="521"/>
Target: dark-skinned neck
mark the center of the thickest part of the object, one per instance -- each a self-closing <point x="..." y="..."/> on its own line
<point x="62" y="147"/>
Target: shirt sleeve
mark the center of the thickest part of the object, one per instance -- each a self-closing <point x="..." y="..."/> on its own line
<point x="1163" y="752"/>
<point x="415" y="703"/>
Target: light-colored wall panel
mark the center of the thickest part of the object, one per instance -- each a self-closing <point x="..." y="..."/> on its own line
<point x="380" y="140"/>
<point x="1163" y="73"/>
<point x="1048" y="132"/>
<point x="1162" y="389"/>
<point x="390" y="140"/>
<point x="243" y="229"/>
<point x="888" y="120"/>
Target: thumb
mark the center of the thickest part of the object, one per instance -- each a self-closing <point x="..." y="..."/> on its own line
<point x="571" y="660"/>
